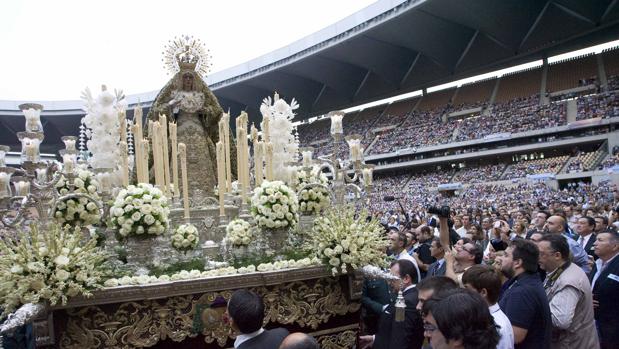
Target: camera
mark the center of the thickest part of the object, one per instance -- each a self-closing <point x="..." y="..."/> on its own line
<point x="442" y="211"/>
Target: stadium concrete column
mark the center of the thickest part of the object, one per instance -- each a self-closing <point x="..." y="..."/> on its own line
<point x="572" y="110"/>
<point x="495" y="90"/>
<point x="543" y="98"/>
<point x="613" y="141"/>
<point x="601" y="71"/>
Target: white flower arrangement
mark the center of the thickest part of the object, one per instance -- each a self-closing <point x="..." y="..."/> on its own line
<point x="238" y="233"/>
<point x="48" y="265"/>
<point x="279" y="115"/>
<point x="274" y="205"/>
<point x="343" y="241"/>
<point x="313" y="199"/>
<point x="140" y="209"/>
<point x="235" y="188"/>
<point x="185" y="237"/>
<point x="78" y="211"/>
<point x="222" y="271"/>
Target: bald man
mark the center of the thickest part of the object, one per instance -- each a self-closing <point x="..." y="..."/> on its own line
<point x="299" y="340"/>
<point x="556" y="225"/>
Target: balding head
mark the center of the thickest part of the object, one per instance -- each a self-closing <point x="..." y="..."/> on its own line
<point x="299" y="340"/>
<point x="555" y="224"/>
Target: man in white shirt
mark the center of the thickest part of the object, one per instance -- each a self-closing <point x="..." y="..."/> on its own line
<point x="466" y="225"/>
<point x="398" y="248"/>
<point x="487" y="282"/>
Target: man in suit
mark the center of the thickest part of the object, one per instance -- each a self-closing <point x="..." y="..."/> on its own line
<point x="437" y="252"/>
<point x="605" y="285"/>
<point x="406" y="334"/>
<point x="539" y="221"/>
<point x="299" y="340"/>
<point x="246" y="314"/>
<point x="585" y="227"/>
<point x="374" y="297"/>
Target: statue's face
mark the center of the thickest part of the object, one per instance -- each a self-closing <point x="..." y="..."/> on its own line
<point x="187" y="82"/>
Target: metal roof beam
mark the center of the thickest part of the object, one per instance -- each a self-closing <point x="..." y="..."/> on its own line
<point x="535" y="23"/>
<point x="365" y="79"/>
<point x="574" y="13"/>
<point x="322" y="91"/>
<point x="410" y="70"/>
<point x="608" y="9"/>
<point x="466" y="49"/>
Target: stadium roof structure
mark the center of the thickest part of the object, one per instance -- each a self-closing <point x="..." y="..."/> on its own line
<point x="389" y="48"/>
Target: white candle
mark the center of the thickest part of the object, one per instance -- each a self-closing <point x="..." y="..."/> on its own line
<point x="307" y="156"/>
<point x="137" y="135"/>
<point x="173" y="139"/>
<point x="368" y="175"/>
<point x="41" y="175"/>
<point x="258" y="161"/>
<point x="124" y="163"/>
<point x="122" y="122"/>
<point x="221" y="174"/>
<point x="31" y="149"/>
<point x="145" y="156"/>
<point x="5" y="187"/>
<point x="165" y="153"/>
<point x="67" y="161"/>
<point x="182" y="152"/>
<point x="157" y="156"/>
<point x="69" y="144"/>
<point x="33" y="120"/>
<point x="336" y="123"/>
<point x="3" y="150"/>
<point x="22" y="188"/>
<point x="269" y="161"/>
<point x="266" y="135"/>
<point x="226" y="123"/>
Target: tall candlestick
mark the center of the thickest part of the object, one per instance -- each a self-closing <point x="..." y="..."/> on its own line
<point x="157" y="156"/>
<point x="226" y="120"/>
<point x="182" y="153"/>
<point x="173" y="139"/>
<point x="124" y="163"/>
<point x="137" y="136"/>
<point x="221" y="174"/>
<point x="145" y="149"/>
<point x="266" y="135"/>
<point x="5" y="187"/>
<point x="122" y="122"/>
<point x="239" y="155"/>
<point x="269" y="160"/>
<point x="258" y="161"/>
<point x="165" y="153"/>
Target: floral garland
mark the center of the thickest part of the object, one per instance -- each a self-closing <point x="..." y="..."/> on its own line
<point x="313" y="199"/>
<point x="343" y="241"/>
<point x="222" y="271"/>
<point x="238" y="233"/>
<point x="78" y="211"/>
<point x="185" y="237"/>
<point x="138" y="210"/>
<point x="274" y="205"/>
<point x="48" y="265"/>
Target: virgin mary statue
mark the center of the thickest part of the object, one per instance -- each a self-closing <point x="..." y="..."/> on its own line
<point x="187" y="99"/>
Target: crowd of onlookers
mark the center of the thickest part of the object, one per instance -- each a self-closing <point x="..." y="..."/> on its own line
<point x="599" y="105"/>
<point x="537" y="166"/>
<point x="520" y="266"/>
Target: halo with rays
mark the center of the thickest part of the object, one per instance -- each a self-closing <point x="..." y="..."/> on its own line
<point x="188" y="49"/>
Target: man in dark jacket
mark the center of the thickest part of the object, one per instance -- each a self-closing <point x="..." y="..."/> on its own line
<point x="605" y="286"/>
<point x="246" y="314"/>
<point x="405" y="334"/>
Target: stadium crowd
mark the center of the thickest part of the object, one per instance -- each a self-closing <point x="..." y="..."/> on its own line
<point x="520" y="266"/>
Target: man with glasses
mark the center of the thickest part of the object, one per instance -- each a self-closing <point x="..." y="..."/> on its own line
<point x="461" y="258"/>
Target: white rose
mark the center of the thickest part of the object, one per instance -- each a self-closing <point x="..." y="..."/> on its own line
<point x="62" y="275"/>
<point x="111" y="283"/>
<point x="61" y="260"/>
<point x="149" y="219"/>
<point x="17" y="269"/>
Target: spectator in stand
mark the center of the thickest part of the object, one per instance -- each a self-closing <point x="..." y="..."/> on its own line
<point x="423" y="253"/>
<point x="605" y="284"/>
<point x="540" y="222"/>
<point x="524" y="300"/>
<point x="459" y="319"/>
<point x="586" y="236"/>
<point x="487" y="282"/>
<point x="438" y="252"/>
<point x="569" y="295"/>
<point x="398" y="241"/>
<point x="462" y="258"/>
<point x="466" y="225"/>
<point x="556" y="225"/>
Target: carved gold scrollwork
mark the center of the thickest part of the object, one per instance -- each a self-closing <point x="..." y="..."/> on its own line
<point x="145" y="323"/>
<point x="309" y="303"/>
<point x="342" y="340"/>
